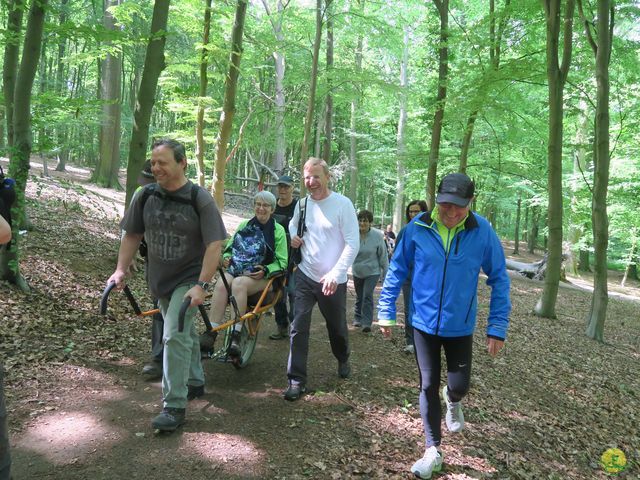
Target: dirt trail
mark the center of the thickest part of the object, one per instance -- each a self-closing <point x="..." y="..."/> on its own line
<point x="547" y="407"/>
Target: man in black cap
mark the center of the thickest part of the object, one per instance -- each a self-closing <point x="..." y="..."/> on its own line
<point x="447" y="247"/>
<point x="285" y="207"/>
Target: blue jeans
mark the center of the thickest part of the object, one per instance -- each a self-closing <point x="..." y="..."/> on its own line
<point x="364" y="299"/>
<point x="5" y="457"/>
<point x="333" y="309"/>
<point x="181" y="364"/>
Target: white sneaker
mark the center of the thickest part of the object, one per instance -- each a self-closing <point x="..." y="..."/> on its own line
<point x="409" y="349"/>
<point x="454" y="418"/>
<point x="431" y="462"/>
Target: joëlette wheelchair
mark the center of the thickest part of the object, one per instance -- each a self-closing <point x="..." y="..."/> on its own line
<point x="257" y="305"/>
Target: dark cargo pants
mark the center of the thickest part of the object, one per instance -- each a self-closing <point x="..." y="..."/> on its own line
<point x="333" y="309"/>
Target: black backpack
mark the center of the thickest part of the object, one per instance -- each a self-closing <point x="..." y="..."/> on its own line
<point x="152" y="190"/>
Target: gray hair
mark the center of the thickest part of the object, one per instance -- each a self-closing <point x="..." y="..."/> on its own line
<point x="265" y="197"/>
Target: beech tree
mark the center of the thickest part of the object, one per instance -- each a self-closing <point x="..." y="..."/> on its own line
<point x="22" y="137"/>
<point x="229" y="104"/>
<point x="557" y="76"/>
<point x="153" y="66"/>
<point x="14" y="10"/>
<point x="106" y="172"/>
<point x="443" y="71"/>
<point x="602" y="29"/>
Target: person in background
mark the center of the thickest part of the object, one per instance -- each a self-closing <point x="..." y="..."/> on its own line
<point x="183" y="252"/>
<point x="414" y="207"/>
<point x="5" y="456"/>
<point x="153" y="369"/>
<point x="447" y="248"/>
<point x="370" y="265"/>
<point x="285" y="207"/>
<point x="329" y="246"/>
<point x="256" y="251"/>
<point x="390" y="239"/>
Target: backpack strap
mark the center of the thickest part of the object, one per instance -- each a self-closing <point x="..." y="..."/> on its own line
<point x="302" y="226"/>
<point x="152" y="189"/>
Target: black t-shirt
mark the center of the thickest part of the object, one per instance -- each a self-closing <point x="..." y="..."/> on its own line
<point x="287" y="212"/>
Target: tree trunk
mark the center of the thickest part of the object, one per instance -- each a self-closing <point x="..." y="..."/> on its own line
<point x="353" y="128"/>
<point x="106" y="173"/>
<point x="229" y="104"/>
<point x="436" y="131"/>
<point x="22" y="138"/>
<point x="584" y="260"/>
<point x="525" y="231"/>
<point x="466" y="141"/>
<point x="10" y="65"/>
<point x="556" y="75"/>
<point x="576" y="230"/>
<point x="204" y="62"/>
<point x="313" y="82"/>
<point x="599" y="218"/>
<point x="280" y="100"/>
<point x="401" y="144"/>
<point x="328" y="120"/>
<point x="535" y="228"/>
<point x="495" y="39"/>
<point x="153" y="66"/>
<point x="61" y="128"/>
<point x="516" y="239"/>
<point x="631" y="270"/>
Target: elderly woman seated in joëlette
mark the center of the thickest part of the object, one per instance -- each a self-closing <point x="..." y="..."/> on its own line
<point x="256" y="251"/>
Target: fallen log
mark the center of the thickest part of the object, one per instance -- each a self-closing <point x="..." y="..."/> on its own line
<point x="533" y="270"/>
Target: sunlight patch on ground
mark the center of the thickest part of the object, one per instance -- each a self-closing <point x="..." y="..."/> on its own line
<point x="63" y="437"/>
<point x="268" y="393"/>
<point x="469" y="458"/>
<point x="231" y="453"/>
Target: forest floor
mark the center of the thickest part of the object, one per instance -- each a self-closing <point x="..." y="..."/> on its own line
<point x="548" y="406"/>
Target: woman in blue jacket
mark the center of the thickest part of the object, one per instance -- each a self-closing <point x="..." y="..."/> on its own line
<point x="447" y="247"/>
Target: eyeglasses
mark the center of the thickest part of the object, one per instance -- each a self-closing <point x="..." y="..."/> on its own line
<point x="262" y="205"/>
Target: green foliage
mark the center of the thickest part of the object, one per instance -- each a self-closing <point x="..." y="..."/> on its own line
<point x="508" y="151"/>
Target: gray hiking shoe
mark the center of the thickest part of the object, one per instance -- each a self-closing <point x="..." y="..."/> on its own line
<point x="152" y="370"/>
<point x="169" y="419"/>
<point x="281" y="334"/>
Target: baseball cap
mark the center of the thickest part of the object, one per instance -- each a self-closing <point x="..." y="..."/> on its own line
<point x="455" y="188"/>
<point x="285" y="180"/>
<point x="146" y="177"/>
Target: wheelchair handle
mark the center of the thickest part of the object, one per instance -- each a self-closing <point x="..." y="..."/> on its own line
<point x="127" y="292"/>
<point x="105" y="297"/>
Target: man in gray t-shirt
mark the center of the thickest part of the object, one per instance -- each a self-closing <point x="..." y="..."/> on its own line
<point x="183" y="247"/>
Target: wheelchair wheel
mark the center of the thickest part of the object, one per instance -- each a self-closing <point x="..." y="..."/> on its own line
<point x="247" y="345"/>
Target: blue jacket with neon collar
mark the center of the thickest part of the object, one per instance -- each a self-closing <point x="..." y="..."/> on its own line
<point x="445" y="284"/>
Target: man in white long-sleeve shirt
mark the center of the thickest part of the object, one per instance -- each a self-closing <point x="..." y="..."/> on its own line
<point x="329" y="244"/>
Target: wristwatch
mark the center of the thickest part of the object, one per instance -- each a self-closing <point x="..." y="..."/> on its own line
<point x="203" y="285"/>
